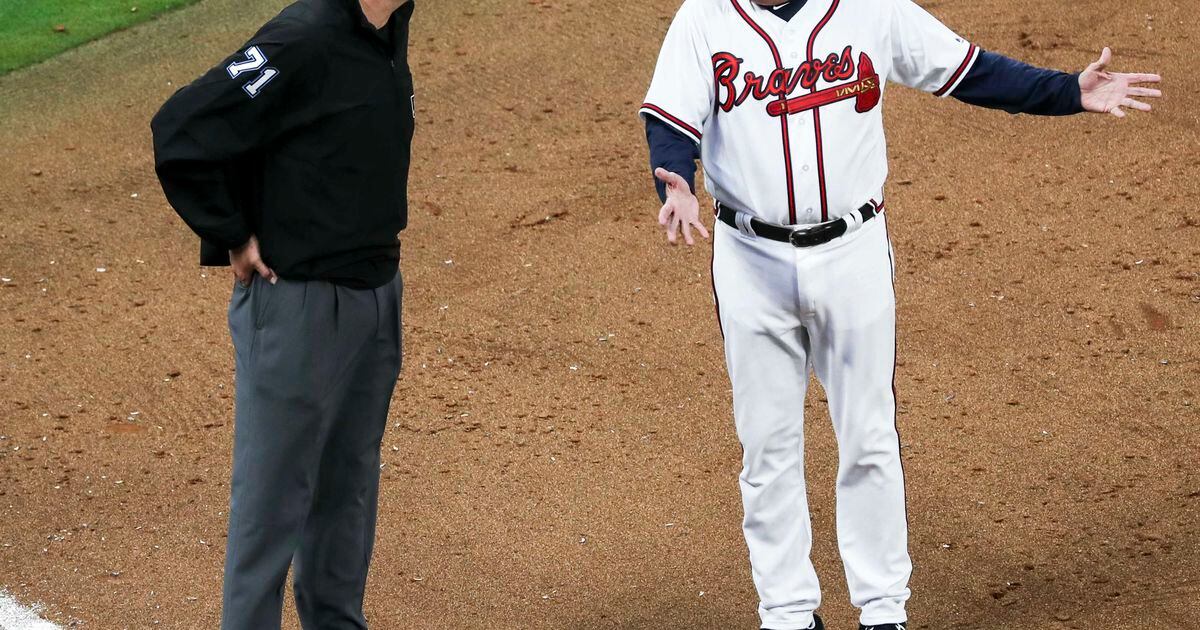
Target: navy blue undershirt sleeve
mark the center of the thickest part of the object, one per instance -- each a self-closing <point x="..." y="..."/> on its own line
<point x="671" y="150"/>
<point x="998" y="82"/>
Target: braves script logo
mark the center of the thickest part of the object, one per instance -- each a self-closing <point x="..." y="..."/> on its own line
<point x="782" y="82"/>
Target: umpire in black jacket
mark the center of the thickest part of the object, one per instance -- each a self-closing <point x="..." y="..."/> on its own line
<point x="290" y="160"/>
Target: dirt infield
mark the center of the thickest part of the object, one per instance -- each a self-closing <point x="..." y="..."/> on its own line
<point x="561" y="451"/>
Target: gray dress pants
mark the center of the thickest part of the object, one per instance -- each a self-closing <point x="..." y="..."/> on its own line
<point x="316" y="366"/>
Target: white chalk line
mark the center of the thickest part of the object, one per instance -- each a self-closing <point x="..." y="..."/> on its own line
<point x="14" y="616"/>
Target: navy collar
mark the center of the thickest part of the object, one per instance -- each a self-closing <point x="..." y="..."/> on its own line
<point x="786" y="11"/>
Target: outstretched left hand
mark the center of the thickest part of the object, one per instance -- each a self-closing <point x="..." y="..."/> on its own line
<point x="1107" y="92"/>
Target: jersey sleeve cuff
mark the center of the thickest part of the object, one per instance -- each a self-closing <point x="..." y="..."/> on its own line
<point x="650" y="109"/>
<point x="961" y="73"/>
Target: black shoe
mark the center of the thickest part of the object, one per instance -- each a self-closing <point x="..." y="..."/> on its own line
<point x="885" y="626"/>
<point x="817" y="624"/>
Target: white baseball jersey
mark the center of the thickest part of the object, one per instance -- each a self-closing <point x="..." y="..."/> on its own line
<point x="788" y="114"/>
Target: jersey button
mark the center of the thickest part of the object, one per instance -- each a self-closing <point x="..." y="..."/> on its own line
<point x="805" y="167"/>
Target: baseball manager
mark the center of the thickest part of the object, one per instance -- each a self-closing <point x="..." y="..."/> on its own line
<point x="782" y="101"/>
<point x="290" y="161"/>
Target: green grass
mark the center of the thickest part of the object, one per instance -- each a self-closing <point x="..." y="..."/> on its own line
<point x="28" y="27"/>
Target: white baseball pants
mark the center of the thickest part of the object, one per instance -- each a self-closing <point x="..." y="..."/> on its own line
<point x="832" y="307"/>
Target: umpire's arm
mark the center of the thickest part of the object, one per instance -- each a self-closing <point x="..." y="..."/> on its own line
<point x="238" y="107"/>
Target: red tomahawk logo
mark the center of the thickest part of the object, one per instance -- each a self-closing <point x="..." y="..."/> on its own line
<point x="865" y="92"/>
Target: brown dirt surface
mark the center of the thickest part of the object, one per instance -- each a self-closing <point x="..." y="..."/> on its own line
<point x="560" y="451"/>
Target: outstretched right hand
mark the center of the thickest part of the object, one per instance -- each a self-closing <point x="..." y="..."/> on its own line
<point x="682" y="209"/>
<point x="1107" y="92"/>
<point x="246" y="262"/>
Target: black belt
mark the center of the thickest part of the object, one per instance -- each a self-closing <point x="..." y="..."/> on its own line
<point x="798" y="236"/>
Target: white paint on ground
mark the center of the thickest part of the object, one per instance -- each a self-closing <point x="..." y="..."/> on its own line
<point x="14" y="616"/>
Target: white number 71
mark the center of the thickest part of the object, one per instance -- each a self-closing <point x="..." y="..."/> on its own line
<point x="255" y="59"/>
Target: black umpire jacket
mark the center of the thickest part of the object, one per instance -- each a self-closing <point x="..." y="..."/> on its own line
<point x="301" y="138"/>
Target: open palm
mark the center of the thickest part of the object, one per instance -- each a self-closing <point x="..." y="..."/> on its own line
<point x="681" y="212"/>
<point x="1102" y="91"/>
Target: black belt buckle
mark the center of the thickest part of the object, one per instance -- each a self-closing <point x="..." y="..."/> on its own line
<point x="812" y="236"/>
